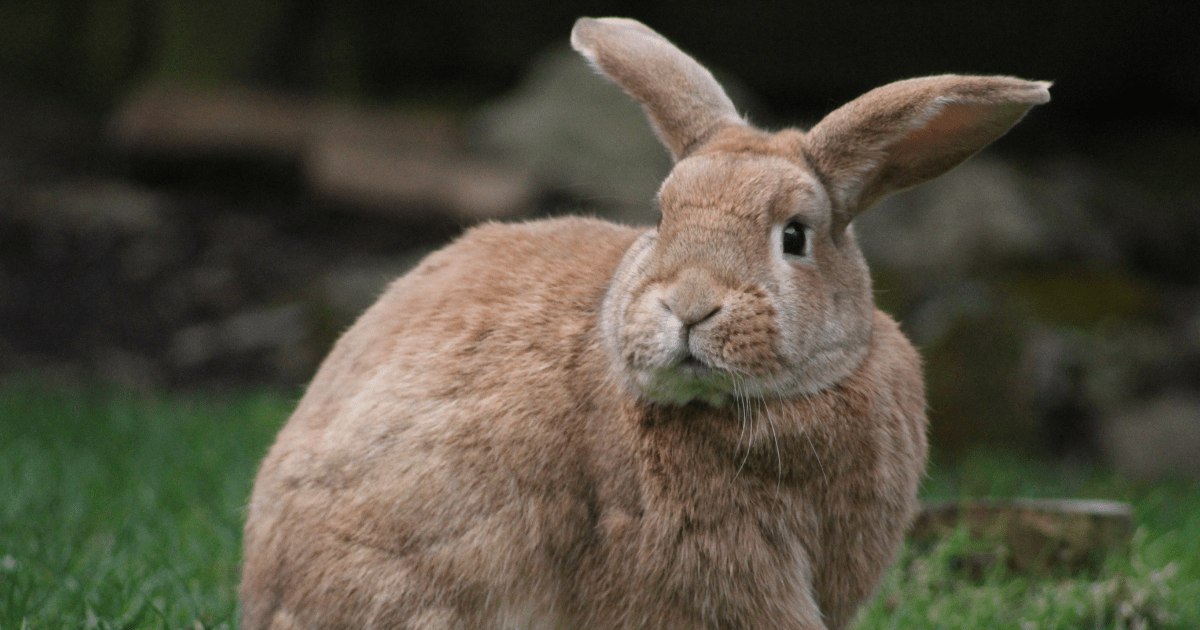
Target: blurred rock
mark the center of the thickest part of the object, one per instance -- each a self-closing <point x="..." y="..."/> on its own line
<point x="129" y="369"/>
<point x="389" y="163"/>
<point x="212" y="288"/>
<point x="383" y="181"/>
<point x="1053" y="381"/>
<point x="1109" y="219"/>
<point x="972" y="378"/>
<point x="264" y="328"/>
<point x="195" y="345"/>
<point x="273" y="329"/>
<point x="1045" y="298"/>
<point x="100" y="205"/>
<point x="946" y="306"/>
<point x="1129" y="395"/>
<point x="988" y="215"/>
<point x="175" y="120"/>
<point x="1128" y="367"/>
<point x="579" y="133"/>
<point x="1156" y="440"/>
<point x="982" y="214"/>
<point x="1039" y="536"/>
<point x="347" y="290"/>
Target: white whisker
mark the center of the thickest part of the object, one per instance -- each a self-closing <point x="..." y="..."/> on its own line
<point x="804" y="430"/>
<point x="749" y="439"/>
<point x="778" y="455"/>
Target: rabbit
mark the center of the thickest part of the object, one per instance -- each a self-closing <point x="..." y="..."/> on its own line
<point x="568" y="423"/>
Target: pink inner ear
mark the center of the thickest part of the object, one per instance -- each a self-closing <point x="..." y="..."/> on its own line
<point x="908" y="132"/>
<point x="956" y="132"/>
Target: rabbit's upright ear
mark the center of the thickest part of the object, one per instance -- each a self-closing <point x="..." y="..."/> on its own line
<point x="909" y="132"/>
<point x="685" y="103"/>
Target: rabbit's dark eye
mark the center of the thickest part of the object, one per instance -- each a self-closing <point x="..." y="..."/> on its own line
<point x="794" y="242"/>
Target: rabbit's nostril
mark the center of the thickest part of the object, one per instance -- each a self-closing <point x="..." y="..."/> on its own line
<point x="696" y="316"/>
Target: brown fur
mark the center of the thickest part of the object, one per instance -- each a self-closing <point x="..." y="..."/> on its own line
<point x="572" y="424"/>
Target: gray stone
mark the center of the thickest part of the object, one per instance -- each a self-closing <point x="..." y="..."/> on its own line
<point x="1157" y="439"/>
<point x="195" y="345"/>
<point x="180" y="120"/>
<point x="934" y="316"/>
<point x="109" y="206"/>
<point x="175" y="119"/>
<point x="1040" y="535"/>
<point x="388" y="162"/>
<point x="264" y="328"/>
<point x="272" y="329"/>
<point x="982" y="213"/>
<point x="580" y="133"/>
<point x="385" y="181"/>
<point x="988" y="213"/>
<point x="347" y="290"/>
<point x="129" y="369"/>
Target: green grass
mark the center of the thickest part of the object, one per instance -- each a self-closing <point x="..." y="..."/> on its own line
<point x="120" y="510"/>
<point x="124" y="511"/>
<point x="1156" y="585"/>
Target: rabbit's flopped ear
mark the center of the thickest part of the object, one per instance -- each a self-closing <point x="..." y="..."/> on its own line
<point x="685" y="103"/>
<point x="909" y="132"/>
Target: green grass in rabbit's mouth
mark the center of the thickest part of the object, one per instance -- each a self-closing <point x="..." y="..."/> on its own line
<point x="690" y="381"/>
<point x="124" y="510"/>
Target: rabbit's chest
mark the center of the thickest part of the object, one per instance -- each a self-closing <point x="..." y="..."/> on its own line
<point x="707" y="568"/>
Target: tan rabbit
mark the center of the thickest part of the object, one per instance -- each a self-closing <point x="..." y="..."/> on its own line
<point x="574" y="424"/>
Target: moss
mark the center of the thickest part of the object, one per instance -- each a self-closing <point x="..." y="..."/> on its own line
<point x="971" y="377"/>
<point x="1081" y="297"/>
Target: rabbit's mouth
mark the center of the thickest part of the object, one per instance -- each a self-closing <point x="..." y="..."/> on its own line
<point x="688" y="364"/>
<point x="692" y="366"/>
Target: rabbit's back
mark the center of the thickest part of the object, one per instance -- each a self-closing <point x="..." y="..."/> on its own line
<point x="438" y="438"/>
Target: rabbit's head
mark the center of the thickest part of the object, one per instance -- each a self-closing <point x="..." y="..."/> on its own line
<point x="753" y="285"/>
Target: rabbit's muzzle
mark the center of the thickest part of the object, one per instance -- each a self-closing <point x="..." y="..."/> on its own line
<point x="694" y="340"/>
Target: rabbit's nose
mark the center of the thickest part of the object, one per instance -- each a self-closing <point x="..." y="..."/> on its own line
<point x="693" y="297"/>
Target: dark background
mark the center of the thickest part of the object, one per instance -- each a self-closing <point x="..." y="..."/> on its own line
<point x="224" y="267"/>
<point x="1115" y="64"/>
